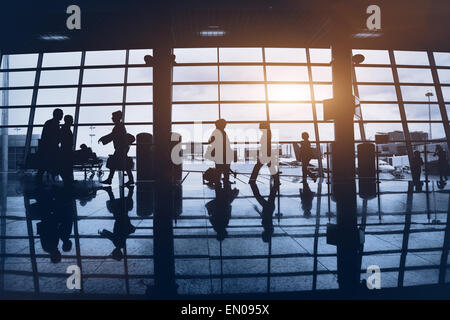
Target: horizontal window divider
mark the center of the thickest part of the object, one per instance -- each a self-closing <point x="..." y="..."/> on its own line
<point x="244" y="64"/>
<point x="69" y="86"/>
<point x="392" y="83"/>
<point x="261" y="82"/>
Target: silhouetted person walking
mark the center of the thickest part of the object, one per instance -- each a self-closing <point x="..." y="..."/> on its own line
<point x="442" y="163"/>
<point x="119" y="160"/>
<point x="220" y="151"/>
<point x="416" y="169"/>
<point x="306" y="153"/>
<point x="268" y="207"/>
<point x="67" y="150"/>
<point x="265" y="155"/>
<point x="49" y="145"/>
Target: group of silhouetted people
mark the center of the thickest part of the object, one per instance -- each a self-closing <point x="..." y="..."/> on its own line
<point x="56" y="148"/>
<point x="220" y="151"/>
<point x="56" y="152"/>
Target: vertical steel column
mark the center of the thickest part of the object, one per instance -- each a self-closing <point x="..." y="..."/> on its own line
<point x="77" y="103"/>
<point x="440" y="97"/>
<point x="33" y="107"/>
<point x="164" y="261"/>
<point x="125" y="84"/>
<point x="314" y="111"/>
<point x="343" y="154"/>
<point x="5" y="115"/>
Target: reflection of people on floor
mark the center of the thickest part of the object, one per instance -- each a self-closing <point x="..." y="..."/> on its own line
<point x="416" y="170"/>
<point x="122" y="223"/>
<point x="122" y="141"/>
<point x="268" y="207"/>
<point x="306" y="197"/>
<point x="48" y="150"/>
<point x="442" y="162"/>
<point x="219" y="209"/>
<point x="265" y="155"/>
<point x="66" y="158"/>
<point x="220" y="151"/>
<point x="57" y="212"/>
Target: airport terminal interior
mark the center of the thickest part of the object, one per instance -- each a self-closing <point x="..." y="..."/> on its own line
<point x="228" y="239"/>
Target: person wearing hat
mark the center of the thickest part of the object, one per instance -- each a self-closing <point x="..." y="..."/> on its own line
<point x="119" y="159"/>
<point x="220" y="151"/>
<point x="265" y="155"/>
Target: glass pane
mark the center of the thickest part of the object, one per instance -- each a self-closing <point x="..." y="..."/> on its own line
<point x="57" y="96"/>
<point x="101" y="76"/>
<point x="16" y="97"/>
<point x="201" y="133"/>
<point x="244" y="92"/>
<point x="243" y="112"/>
<point x="94" y="114"/>
<point x="16" y="153"/>
<point x="290" y="111"/>
<point x="195" y="55"/>
<point x="442" y="58"/>
<point x="140" y="94"/>
<point x="192" y="112"/>
<point x="297" y="55"/>
<point x="380" y="112"/>
<point x="371" y="129"/>
<point x="240" y="54"/>
<point x="98" y="58"/>
<point x="326" y="131"/>
<point x="415" y="75"/>
<point x="323" y="91"/>
<point x="20" y="61"/>
<point x="321" y="73"/>
<point x="418" y="58"/>
<point x="319" y="111"/>
<point x="17" y="79"/>
<point x="140" y="75"/>
<point x="102" y="95"/>
<point x="444" y="75"/>
<point x="423" y="130"/>
<point x="243" y="132"/>
<point x="373" y="74"/>
<point x="61" y="59"/>
<point x="195" y="93"/>
<point x="241" y="73"/>
<point x="421" y="112"/>
<point x="59" y="77"/>
<point x="377" y="93"/>
<point x="320" y="55"/>
<point x="292" y="131"/>
<point x="140" y="113"/>
<point x="287" y="73"/>
<point x="446" y="93"/>
<point x="43" y="114"/>
<point x="137" y="56"/>
<point x="374" y="56"/>
<point x="417" y="93"/>
<point x="16" y="116"/>
<point x="280" y="92"/>
<point x="186" y="74"/>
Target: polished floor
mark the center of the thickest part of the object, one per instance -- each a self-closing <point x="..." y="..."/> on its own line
<point x="239" y="251"/>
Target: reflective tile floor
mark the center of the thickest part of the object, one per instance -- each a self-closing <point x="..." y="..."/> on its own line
<point x="216" y="251"/>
